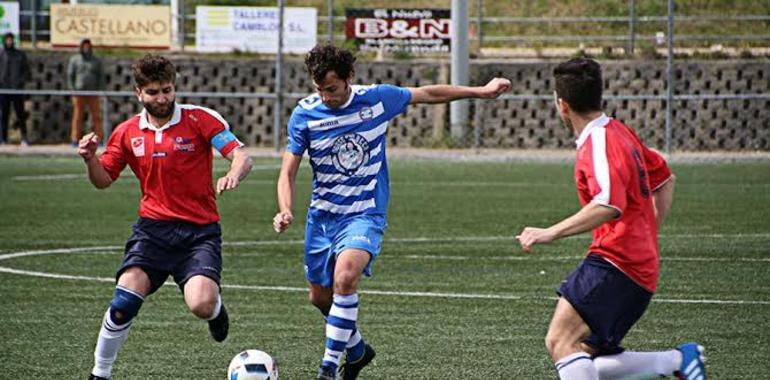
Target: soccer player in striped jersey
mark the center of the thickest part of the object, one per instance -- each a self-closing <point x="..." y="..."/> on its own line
<point x="343" y="128"/>
<point x="169" y="148"/>
<point x="626" y="190"/>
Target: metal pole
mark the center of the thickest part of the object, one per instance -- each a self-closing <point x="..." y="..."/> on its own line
<point x="182" y="19"/>
<point x="458" y="111"/>
<point x="670" y="75"/>
<point x="278" y="108"/>
<point x="106" y="126"/>
<point x="330" y="22"/>
<point x="631" y="27"/>
<point x="479" y="21"/>
<point x="33" y="24"/>
<point x="477" y="125"/>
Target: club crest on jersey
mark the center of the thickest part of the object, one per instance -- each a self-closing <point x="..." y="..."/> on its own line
<point x="366" y="113"/>
<point x="137" y="145"/>
<point x="183" y="144"/>
<point x="349" y="153"/>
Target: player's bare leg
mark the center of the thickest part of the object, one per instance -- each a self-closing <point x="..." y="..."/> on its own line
<point x="201" y="294"/>
<point x="133" y="286"/>
<point x="563" y="341"/>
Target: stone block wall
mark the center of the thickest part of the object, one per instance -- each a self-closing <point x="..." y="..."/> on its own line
<point x="698" y="125"/>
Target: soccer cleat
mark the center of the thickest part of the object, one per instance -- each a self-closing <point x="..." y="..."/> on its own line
<point x="325" y="373"/>
<point x="94" y="377"/>
<point x="219" y="326"/>
<point x="692" y="362"/>
<point x="349" y="371"/>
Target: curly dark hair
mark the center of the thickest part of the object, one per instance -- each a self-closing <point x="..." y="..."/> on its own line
<point x="324" y="58"/>
<point x="153" y="68"/>
<point x="579" y="83"/>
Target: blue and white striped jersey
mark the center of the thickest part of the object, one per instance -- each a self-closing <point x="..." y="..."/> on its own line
<point x="347" y="148"/>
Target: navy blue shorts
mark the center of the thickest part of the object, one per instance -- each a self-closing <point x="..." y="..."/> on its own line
<point x="179" y="249"/>
<point x="608" y="301"/>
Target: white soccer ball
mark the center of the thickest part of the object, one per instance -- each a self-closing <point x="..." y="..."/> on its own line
<point x="252" y="365"/>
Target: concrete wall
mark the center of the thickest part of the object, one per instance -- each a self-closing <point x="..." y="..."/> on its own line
<point x="698" y="125"/>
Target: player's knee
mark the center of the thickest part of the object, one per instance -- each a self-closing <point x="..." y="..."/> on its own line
<point x="345" y="282"/>
<point x="203" y="308"/>
<point x="125" y="306"/>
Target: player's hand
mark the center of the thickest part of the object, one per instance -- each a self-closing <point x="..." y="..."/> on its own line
<point x="281" y="221"/>
<point x="495" y="88"/>
<point x="531" y="236"/>
<point x="228" y="182"/>
<point x="87" y="146"/>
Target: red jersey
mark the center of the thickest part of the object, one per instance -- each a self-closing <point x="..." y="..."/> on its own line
<point x="173" y="163"/>
<point x="614" y="168"/>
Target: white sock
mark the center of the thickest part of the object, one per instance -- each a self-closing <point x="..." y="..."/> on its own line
<point x="111" y="338"/>
<point x="577" y="366"/>
<point x="217" y="308"/>
<point x="638" y="365"/>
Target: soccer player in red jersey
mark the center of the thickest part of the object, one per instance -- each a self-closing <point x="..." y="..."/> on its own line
<point x="169" y="148"/>
<point x="626" y="190"/>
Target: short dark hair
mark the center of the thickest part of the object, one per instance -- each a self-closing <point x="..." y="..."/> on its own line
<point x="8" y="35"/>
<point x="153" y="68"/>
<point x="579" y="83"/>
<point x="324" y="58"/>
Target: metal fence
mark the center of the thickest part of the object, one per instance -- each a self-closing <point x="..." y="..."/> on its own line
<point x="39" y="19"/>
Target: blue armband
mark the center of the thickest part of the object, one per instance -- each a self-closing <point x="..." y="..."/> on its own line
<point x="221" y="139"/>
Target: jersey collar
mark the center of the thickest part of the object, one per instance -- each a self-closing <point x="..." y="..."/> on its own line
<point x="353" y="89"/>
<point x="175" y="119"/>
<point x="599" y="122"/>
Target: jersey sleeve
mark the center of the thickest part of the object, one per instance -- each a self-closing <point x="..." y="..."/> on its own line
<point x="113" y="159"/>
<point x="394" y="99"/>
<point x="606" y="173"/>
<point x="657" y="168"/>
<point x="216" y="131"/>
<point x="298" y="134"/>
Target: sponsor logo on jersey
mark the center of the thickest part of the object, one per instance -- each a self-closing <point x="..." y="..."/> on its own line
<point x="137" y="145"/>
<point x="349" y="153"/>
<point x="183" y="144"/>
<point x="158" y="154"/>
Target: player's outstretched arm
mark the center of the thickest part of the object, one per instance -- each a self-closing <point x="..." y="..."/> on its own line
<point x="589" y="217"/>
<point x="287" y="179"/>
<point x="442" y="93"/>
<point x="662" y="198"/>
<point x="96" y="173"/>
<point x="240" y="166"/>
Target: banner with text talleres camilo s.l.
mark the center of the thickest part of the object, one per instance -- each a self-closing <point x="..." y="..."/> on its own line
<point x="254" y="29"/>
<point x="132" y="26"/>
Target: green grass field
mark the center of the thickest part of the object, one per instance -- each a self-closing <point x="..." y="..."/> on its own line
<point x="452" y="296"/>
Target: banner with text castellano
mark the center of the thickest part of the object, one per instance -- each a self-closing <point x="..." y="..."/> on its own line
<point x="140" y="26"/>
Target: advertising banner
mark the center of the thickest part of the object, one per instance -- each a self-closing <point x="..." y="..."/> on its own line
<point x="399" y="30"/>
<point x="254" y="29"/>
<point x="9" y="19"/>
<point x="137" y="26"/>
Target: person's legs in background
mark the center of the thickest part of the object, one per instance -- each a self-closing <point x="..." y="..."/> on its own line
<point x="76" y="131"/>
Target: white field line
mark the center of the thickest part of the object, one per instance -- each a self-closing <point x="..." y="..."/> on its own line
<point x="295" y="289"/>
<point x="509" y="297"/>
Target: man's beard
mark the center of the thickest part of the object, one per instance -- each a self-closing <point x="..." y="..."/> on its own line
<point x="158" y="111"/>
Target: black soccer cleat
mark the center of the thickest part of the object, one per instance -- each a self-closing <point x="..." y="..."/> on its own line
<point x="325" y="373"/>
<point x="219" y="326"/>
<point x="94" y="377"/>
<point x="349" y="371"/>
